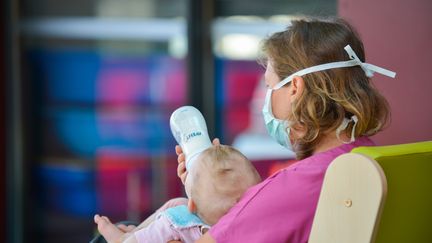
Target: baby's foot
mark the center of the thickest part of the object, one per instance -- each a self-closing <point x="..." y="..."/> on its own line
<point x="108" y="230"/>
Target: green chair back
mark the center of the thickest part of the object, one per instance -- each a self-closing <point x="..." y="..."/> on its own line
<point x="407" y="215"/>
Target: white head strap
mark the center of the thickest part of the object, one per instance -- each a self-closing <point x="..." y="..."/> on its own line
<point x="368" y="68"/>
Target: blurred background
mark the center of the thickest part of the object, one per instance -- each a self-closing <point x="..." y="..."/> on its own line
<point x="90" y="86"/>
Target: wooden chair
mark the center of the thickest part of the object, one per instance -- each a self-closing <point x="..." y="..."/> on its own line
<point x="355" y="188"/>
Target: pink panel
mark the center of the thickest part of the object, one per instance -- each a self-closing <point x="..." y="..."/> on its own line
<point x="236" y="120"/>
<point x="122" y="86"/>
<point x="241" y="77"/>
<point x="174" y="187"/>
<point x="397" y="35"/>
<point x="123" y="183"/>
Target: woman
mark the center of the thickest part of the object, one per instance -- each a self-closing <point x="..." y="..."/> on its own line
<point x="320" y="111"/>
<point x="320" y="103"/>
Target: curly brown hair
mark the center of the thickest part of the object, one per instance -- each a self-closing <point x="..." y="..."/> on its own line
<point x="331" y="95"/>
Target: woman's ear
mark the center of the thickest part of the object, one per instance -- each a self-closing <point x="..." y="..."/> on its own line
<point x="297" y="86"/>
<point x="191" y="206"/>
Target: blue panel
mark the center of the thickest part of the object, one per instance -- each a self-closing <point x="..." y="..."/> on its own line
<point x="67" y="75"/>
<point x="80" y="76"/>
<point x="68" y="189"/>
<point x="84" y="130"/>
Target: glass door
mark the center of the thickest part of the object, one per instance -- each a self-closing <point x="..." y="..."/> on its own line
<point x="102" y="79"/>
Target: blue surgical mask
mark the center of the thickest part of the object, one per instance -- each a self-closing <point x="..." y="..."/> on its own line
<point x="280" y="129"/>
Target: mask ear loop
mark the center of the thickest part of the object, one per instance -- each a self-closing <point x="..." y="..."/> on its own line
<point x="344" y="125"/>
<point x="355" y="120"/>
<point x="288" y="131"/>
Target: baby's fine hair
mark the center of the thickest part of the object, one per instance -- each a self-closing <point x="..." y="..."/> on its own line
<point x="221" y="177"/>
<point x="331" y="95"/>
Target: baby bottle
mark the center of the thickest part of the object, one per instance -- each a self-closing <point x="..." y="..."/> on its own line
<point x="190" y="131"/>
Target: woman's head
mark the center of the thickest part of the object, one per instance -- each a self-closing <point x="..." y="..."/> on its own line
<point x="317" y="103"/>
<point x="218" y="180"/>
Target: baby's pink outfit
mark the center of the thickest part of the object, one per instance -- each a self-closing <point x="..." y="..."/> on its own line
<point x="175" y="223"/>
<point x="281" y="208"/>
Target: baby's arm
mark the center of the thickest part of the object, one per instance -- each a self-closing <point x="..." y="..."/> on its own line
<point x="169" y="204"/>
<point x="133" y="240"/>
<point x="120" y="233"/>
<point x="130" y="239"/>
<point x="160" y="230"/>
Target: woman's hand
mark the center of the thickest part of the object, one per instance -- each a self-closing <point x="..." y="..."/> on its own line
<point x="181" y="168"/>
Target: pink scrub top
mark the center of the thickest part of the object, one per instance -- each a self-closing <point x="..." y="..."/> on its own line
<point x="282" y="207"/>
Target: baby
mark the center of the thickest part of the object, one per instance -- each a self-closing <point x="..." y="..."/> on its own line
<point x="215" y="182"/>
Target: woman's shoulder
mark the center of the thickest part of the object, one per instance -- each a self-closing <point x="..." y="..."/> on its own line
<point x="324" y="158"/>
<point x="291" y="193"/>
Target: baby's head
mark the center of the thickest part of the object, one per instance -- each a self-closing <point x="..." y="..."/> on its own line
<point x="217" y="181"/>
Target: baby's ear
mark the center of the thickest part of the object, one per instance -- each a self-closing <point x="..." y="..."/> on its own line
<point x="191" y="206"/>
